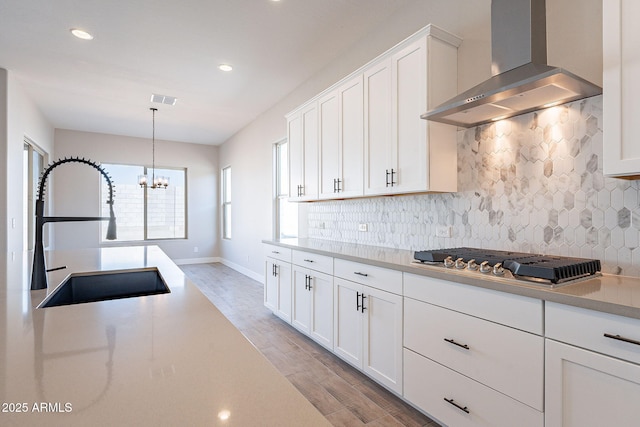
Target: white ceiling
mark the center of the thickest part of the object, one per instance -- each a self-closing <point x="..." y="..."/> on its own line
<point x="171" y="47"/>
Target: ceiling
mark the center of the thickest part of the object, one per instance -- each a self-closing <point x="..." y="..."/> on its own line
<point x="145" y="47"/>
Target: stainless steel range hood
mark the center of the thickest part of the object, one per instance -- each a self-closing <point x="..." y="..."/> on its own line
<point x="522" y="81"/>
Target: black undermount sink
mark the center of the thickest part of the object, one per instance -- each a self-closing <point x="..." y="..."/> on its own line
<point x="92" y="287"/>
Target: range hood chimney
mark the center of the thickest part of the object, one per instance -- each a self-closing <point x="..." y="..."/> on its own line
<point x="522" y="81"/>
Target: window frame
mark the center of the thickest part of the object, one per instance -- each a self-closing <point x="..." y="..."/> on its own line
<point x="225" y="202"/>
<point x="31" y="186"/>
<point x="145" y="233"/>
<point x="279" y="197"/>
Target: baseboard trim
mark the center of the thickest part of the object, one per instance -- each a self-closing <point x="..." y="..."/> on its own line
<point x="206" y="260"/>
<point x="243" y="270"/>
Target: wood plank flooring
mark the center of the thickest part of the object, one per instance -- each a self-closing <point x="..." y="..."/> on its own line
<point x="341" y="393"/>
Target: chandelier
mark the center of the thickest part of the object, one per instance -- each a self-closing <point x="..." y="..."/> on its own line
<point x="156" y="181"/>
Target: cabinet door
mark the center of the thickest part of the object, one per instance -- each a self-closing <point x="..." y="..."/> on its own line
<point x="310" y="137"/>
<point x="296" y="155"/>
<point x="383" y="337"/>
<point x="377" y="129"/>
<point x="301" y="311"/>
<point x="409" y="76"/>
<point x="321" y="324"/>
<point x="303" y="153"/>
<point x="270" y="286"/>
<point x="351" y="138"/>
<point x="621" y="67"/>
<point x="584" y="389"/>
<point x="348" y="321"/>
<point x="283" y="277"/>
<point x="329" y="144"/>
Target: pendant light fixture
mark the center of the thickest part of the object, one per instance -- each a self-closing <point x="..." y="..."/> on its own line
<point x="156" y="181"/>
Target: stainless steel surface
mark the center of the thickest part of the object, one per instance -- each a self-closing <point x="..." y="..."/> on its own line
<point x="522" y="81"/>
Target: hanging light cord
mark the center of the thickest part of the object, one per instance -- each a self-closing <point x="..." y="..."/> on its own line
<point x="153" y="148"/>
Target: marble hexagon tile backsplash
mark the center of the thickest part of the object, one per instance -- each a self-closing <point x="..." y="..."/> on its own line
<point x="533" y="183"/>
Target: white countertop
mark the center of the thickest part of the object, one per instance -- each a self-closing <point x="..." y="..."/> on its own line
<point x="169" y="359"/>
<point x="618" y="295"/>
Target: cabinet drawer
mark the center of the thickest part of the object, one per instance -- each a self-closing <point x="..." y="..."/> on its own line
<point x="587" y="329"/>
<point x="427" y="384"/>
<point x="277" y="252"/>
<point x="505" y="359"/>
<point x="376" y="277"/>
<point x="321" y="263"/>
<point x="512" y="310"/>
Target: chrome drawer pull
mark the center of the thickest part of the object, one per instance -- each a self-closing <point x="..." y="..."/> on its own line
<point x="451" y="401"/>
<point x="360" y="274"/>
<point x="275" y="252"/>
<point x="451" y="341"/>
<point x="619" y="338"/>
<point x="308" y="260"/>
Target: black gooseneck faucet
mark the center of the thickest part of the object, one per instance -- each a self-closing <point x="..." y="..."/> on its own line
<point x="39" y="271"/>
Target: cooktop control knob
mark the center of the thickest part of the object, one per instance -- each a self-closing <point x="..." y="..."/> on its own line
<point x="448" y="262"/>
<point x="460" y="264"/>
<point x="485" y="267"/>
<point x="498" y="270"/>
<point x="472" y="265"/>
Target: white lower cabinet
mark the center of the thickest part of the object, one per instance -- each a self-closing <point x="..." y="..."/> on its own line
<point x="587" y="389"/>
<point x="277" y="290"/>
<point x="590" y="375"/>
<point x="456" y="400"/>
<point x="368" y="331"/>
<point x="313" y="305"/>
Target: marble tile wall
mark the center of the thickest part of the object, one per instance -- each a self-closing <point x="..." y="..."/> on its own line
<point x="533" y="183"/>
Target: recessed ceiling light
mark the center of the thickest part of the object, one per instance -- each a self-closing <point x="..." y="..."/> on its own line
<point x="225" y="67"/>
<point x="81" y="34"/>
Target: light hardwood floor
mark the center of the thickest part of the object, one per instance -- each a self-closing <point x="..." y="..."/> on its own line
<point x="341" y="393"/>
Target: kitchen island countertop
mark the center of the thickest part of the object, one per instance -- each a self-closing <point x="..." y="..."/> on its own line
<point x="618" y="295"/>
<point x="169" y="359"/>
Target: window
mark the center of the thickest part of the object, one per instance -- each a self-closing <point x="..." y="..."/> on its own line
<point x="286" y="213"/>
<point x="226" y="203"/>
<point x="32" y="167"/>
<point x="145" y="213"/>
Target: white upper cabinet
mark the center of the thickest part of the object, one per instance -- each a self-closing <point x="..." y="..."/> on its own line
<point x="621" y="87"/>
<point x="302" y="132"/>
<point x="371" y="140"/>
<point x="424" y="154"/>
<point x="341" y="141"/>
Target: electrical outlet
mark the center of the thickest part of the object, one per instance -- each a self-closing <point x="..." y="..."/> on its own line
<point x="363" y="227"/>
<point x="443" y="231"/>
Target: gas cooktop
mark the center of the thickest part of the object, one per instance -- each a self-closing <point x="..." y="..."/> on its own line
<point x="549" y="270"/>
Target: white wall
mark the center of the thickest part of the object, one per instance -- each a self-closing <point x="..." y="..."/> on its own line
<point x="19" y="117"/>
<point x="574" y="38"/>
<point x="75" y="189"/>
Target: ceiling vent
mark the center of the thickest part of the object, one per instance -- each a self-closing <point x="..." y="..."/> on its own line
<point x="164" y="99"/>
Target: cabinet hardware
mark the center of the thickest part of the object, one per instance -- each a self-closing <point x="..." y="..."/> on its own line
<point x="309" y="278"/>
<point x="334" y="185"/>
<point x="452" y="402"/>
<point x="392" y="181"/>
<point x="619" y="338"/>
<point x="362" y="307"/>
<point x="308" y="260"/>
<point x="275" y="269"/>
<point x="451" y="341"/>
<point x="275" y="252"/>
<point x="387" y="177"/>
<point x="357" y="301"/>
<point x="360" y="274"/>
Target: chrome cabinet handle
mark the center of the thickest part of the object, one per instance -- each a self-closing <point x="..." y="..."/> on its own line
<point x="623" y="339"/>
<point x="457" y="405"/>
<point x="451" y="341"/>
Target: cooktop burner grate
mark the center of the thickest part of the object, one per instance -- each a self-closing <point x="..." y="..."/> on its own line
<point x="555" y="269"/>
